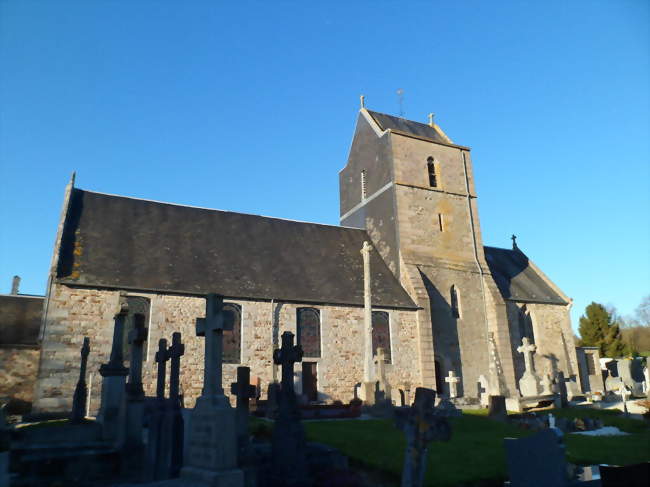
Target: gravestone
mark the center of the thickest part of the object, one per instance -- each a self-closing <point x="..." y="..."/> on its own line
<point x="112" y="409"/>
<point x="497" y="408"/>
<point x="529" y="382"/>
<point x="289" y="463"/>
<point x="421" y="424"/>
<point x="483" y="386"/>
<point x="382" y="388"/>
<point x="452" y="380"/>
<point x="547" y="385"/>
<point x="173" y="415"/>
<point x="212" y="445"/>
<point x="133" y="443"/>
<point x="624" y="392"/>
<point x="81" y="390"/>
<point x="244" y="391"/>
<point x="536" y="461"/>
<point x="158" y="457"/>
<point x="646" y="376"/>
<point x="626" y="371"/>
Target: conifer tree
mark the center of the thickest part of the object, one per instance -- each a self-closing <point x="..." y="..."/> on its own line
<point x="597" y="330"/>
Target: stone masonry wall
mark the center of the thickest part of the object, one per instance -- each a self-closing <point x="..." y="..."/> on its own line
<point x="553" y="338"/>
<point x="75" y="312"/>
<point x="18" y="368"/>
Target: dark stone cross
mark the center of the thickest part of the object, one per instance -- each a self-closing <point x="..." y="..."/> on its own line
<point x="288" y="459"/>
<point x="174" y="422"/>
<point x="115" y="365"/>
<point x="175" y="352"/>
<point x="514" y="241"/>
<point x="244" y="391"/>
<point x="421" y="424"/>
<point x="212" y="327"/>
<point x="162" y="356"/>
<point x="81" y="391"/>
<point x="286" y="356"/>
<point x="137" y="337"/>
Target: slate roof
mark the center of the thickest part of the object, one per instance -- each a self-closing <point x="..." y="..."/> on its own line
<point x="20" y="319"/>
<point x="516" y="279"/>
<point x="407" y="126"/>
<point x="126" y="243"/>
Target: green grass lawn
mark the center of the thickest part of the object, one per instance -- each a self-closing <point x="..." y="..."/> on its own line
<point x="475" y="454"/>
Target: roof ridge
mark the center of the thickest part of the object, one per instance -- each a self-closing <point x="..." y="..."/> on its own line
<point x="216" y="209"/>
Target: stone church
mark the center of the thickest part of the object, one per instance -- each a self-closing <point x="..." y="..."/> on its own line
<point x="441" y="301"/>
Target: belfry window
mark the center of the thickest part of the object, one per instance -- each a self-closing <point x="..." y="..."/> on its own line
<point x="308" y="331"/>
<point x="232" y="333"/>
<point x="431" y="169"/>
<point x="381" y="334"/>
<point x="364" y="189"/>
<point x="454" y="300"/>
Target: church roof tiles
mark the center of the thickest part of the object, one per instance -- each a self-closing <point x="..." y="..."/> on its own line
<point x="127" y="243"/>
<point x="517" y="279"/>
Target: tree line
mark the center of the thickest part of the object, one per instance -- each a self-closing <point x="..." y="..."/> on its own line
<point x="613" y="334"/>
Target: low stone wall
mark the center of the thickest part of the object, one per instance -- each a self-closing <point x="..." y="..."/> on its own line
<point x="18" y="371"/>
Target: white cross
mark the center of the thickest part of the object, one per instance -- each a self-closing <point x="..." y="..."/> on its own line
<point x="380" y="360"/>
<point x="212" y="327"/>
<point x="452" y="380"/>
<point x="527" y="349"/>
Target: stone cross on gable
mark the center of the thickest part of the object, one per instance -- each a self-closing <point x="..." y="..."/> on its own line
<point x="286" y="356"/>
<point x="212" y="327"/>
<point x="452" y="380"/>
<point x="137" y="337"/>
<point x="175" y="352"/>
<point x="81" y="390"/>
<point x="527" y="349"/>
<point x="514" y="241"/>
<point x="161" y="359"/>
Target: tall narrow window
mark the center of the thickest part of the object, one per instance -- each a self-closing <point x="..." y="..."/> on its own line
<point x="364" y="190"/>
<point x="441" y="222"/>
<point x="232" y="333"/>
<point x="431" y="169"/>
<point x="454" y="299"/>
<point x="308" y="328"/>
<point x="137" y="306"/>
<point x="526" y="325"/>
<point x="381" y="333"/>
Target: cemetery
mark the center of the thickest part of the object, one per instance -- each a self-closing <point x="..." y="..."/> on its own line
<point x="431" y="440"/>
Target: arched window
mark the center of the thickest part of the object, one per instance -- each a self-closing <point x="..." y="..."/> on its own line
<point x="232" y="333"/>
<point x="137" y="306"/>
<point x="454" y="299"/>
<point x="526" y="325"/>
<point x="431" y="169"/>
<point x="308" y="331"/>
<point x="381" y="334"/>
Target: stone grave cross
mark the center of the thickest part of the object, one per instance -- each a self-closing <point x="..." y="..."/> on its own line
<point x="421" y="424"/>
<point x="161" y="359"/>
<point x="175" y="352"/>
<point x="452" y="380"/>
<point x="380" y="360"/>
<point x="624" y="393"/>
<point x="527" y="349"/>
<point x="137" y="337"/>
<point x="244" y="391"/>
<point x="81" y="390"/>
<point x="212" y="327"/>
<point x="286" y="356"/>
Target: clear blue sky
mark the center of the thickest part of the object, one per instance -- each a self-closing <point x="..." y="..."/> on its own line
<point x="250" y="107"/>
